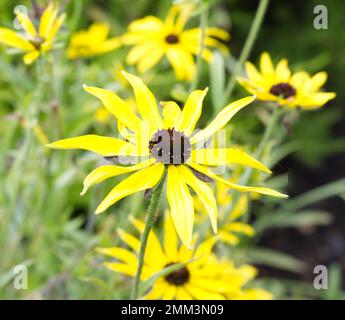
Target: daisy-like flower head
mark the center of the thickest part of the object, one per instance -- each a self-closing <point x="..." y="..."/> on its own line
<point x="165" y="144"/>
<point x="35" y="40"/>
<point x="203" y="275"/>
<point x="153" y="38"/>
<point x="279" y="85"/>
<point x="91" y="42"/>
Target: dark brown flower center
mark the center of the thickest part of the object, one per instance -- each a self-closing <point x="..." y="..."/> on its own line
<point x="172" y="38"/>
<point x="170" y="147"/>
<point x="178" y="277"/>
<point x="283" y="90"/>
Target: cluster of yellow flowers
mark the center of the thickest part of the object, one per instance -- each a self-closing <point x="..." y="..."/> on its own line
<point x="162" y="140"/>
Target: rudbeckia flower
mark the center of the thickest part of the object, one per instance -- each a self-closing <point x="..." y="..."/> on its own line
<point x="279" y="85"/>
<point x="91" y="42"/>
<point x="153" y="38"/>
<point x="203" y="275"/>
<point x="165" y="144"/>
<point x="34" y="41"/>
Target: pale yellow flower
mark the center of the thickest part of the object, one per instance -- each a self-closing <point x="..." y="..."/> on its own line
<point x="35" y="40"/>
<point x="153" y="38"/>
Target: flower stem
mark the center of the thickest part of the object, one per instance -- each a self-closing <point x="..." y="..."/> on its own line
<point x="203" y="27"/>
<point x="247" y="48"/>
<point x="150" y="220"/>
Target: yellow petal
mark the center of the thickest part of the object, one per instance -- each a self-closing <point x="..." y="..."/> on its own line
<point x="182" y="63"/>
<point x="56" y="27"/>
<point x="104" y="146"/>
<point x="182" y="294"/>
<point x="192" y="111"/>
<point x="252" y="73"/>
<point x="171" y="114"/>
<point x="181" y="205"/>
<point x="261" y="190"/>
<point x="47" y="20"/>
<point x="169" y="293"/>
<point x="283" y="72"/>
<point x="138" y="181"/>
<point x="117" y="107"/>
<point x="12" y="39"/>
<point x="318" y="80"/>
<point x="104" y="172"/>
<point x="170" y="239"/>
<point x="202" y="294"/>
<point x="139" y="52"/>
<point x="26" y="23"/>
<point x="129" y="239"/>
<point x="266" y="66"/>
<point x="146" y="102"/>
<point x="223" y="156"/>
<point x="150" y="59"/>
<point x="120" y="254"/>
<point x="203" y="191"/>
<point x="31" y="57"/>
<point x="157" y="291"/>
<point x="222" y="119"/>
<point x="240" y="227"/>
<point x="123" y="268"/>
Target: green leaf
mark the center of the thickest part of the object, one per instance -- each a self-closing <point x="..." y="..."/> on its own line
<point x="217" y="79"/>
<point x="275" y="259"/>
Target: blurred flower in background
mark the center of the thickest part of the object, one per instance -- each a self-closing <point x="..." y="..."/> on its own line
<point x="34" y="41"/>
<point x="153" y="38"/>
<point x="279" y="85"/>
<point x="92" y="42"/>
<point x="202" y="274"/>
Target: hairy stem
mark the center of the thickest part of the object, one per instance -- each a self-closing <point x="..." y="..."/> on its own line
<point x="150" y="220"/>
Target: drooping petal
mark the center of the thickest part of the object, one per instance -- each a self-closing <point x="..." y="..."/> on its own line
<point x="117" y="107"/>
<point x="192" y="111"/>
<point x="104" y="146"/>
<point x="170" y="238"/>
<point x="223" y="156"/>
<point x="204" y="192"/>
<point x="104" y="172"/>
<point x="140" y="51"/>
<point x="26" y="23"/>
<point x="181" y="205"/>
<point x="171" y="114"/>
<point x="222" y="119"/>
<point x="31" y="57"/>
<point x="146" y="101"/>
<point x="151" y="59"/>
<point x="12" y="39"/>
<point x="261" y="190"/>
<point x="182" y="63"/>
<point x="138" y="181"/>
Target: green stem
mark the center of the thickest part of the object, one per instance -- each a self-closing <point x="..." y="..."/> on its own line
<point x="150" y="220"/>
<point x="203" y="27"/>
<point x="247" y="48"/>
<point x="258" y="155"/>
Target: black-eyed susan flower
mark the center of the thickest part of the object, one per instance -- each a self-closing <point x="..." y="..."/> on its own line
<point x="153" y="38"/>
<point x="91" y="42"/>
<point x="34" y="41"/>
<point x="203" y="275"/>
<point x="280" y="85"/>
<point x="162" y="144"/>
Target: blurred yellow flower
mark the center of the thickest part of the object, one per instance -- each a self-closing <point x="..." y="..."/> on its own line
<point x="153" y="38"/>
<point x="278" y="84"/>
<point x="34" y="41"/>
<point x="203" y="275"/>
<point x="161" y="144"/>
<point x="231" y="228"/>
<point x="91" y="42"/>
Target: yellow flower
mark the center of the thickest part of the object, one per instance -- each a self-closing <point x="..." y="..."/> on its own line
<point x="231" y="227"/>
<point x="34" y="41"/>
<point x="278" y="84"/>
<point x="162" y="144"/>
<point x="203" y="275"/>
<point x="103" y="116"/>
<point x="91" y="42"/>
<point x="153" y="38"/>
